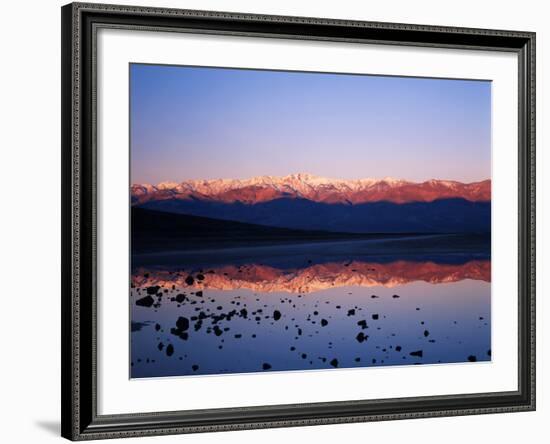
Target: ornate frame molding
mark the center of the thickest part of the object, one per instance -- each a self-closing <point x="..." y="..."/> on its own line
<point x="80" y="22"/>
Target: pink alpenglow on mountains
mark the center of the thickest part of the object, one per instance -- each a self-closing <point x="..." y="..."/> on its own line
<point x="313" y="188"/>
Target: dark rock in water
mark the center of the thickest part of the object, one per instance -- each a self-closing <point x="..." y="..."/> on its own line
<point x="153" y="290"/>
<point x="472" y="358"/>
<point x="276" y="315"/>
<point x="157" y="327"/>
<point x="195" y="367"/>
<point x="180" y="298"/>
<point x="160" y="346"/>
<point x="426" y="333"/>
<point x="418" y="353"/>
<point x="200" y="277"/>
<point x="238" y="336"/>
<point x="169" y="350"/>
<point x="147" y="301"/>
<point x="361" y="337"/>
<point x="375" y="317"/>
<point x="292" y="348"/>
<point x="217" y="330"/>
<point x="488" y="352"/>
<point x="266" y="366"/>
<point x="373" y="296"/>
<point x="182" y="323"/>
<point x="362" y="323"/>
<point x="324" y="322"/>
<point x="244" y="313"/>
<point x="304" y="356"/>
<point x="181" y="334"/>
<point x="198" y="293"/>
<point x="357" y="359"/>
<point x="395" y="296"/>
<point x="398" y="348"/>
<point x="189" y="280"/>
<point x="351" y="312"/>
<point x="334" y="362"/>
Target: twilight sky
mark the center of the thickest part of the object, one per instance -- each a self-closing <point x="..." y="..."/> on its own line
<point x="205" y="123"/>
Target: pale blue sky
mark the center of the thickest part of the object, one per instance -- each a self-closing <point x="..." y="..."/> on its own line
<point x="203" y="123"/>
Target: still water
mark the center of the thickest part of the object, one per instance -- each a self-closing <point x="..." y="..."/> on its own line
<point x="303" y="307"/>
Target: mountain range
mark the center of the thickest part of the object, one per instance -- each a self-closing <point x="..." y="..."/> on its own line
<point x="307" y="202"/>
<point x="313" y="188"/>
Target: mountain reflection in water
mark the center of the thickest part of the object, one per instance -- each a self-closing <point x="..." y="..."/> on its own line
<point x="252" y="316"/>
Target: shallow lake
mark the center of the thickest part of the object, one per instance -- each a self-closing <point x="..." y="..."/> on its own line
<point x="310" y="306"/>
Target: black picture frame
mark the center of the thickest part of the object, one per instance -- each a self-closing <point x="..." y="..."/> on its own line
<point x="79" y="170"/>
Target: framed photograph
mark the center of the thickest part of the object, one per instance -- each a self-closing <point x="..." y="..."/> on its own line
<point x="280" y="221"/>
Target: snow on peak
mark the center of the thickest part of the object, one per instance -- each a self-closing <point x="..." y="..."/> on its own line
<point x="312" y="187"/>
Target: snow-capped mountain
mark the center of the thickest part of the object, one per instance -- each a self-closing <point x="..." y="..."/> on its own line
<point x="313" y="188"/>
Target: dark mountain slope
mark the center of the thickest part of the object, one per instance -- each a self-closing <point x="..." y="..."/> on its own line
<point x="440" y="216"/>
<point x="161" y="231"/>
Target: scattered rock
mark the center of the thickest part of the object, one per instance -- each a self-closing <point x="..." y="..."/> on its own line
<point x="153" y="290"/>
<point x="266" y="366"/>
<point x="169" y="350"/>
<point x="182" y="323"/>
<point x="418" y="353"/>
<point x="147" y="301"/>
<point x="361" y="337"/>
